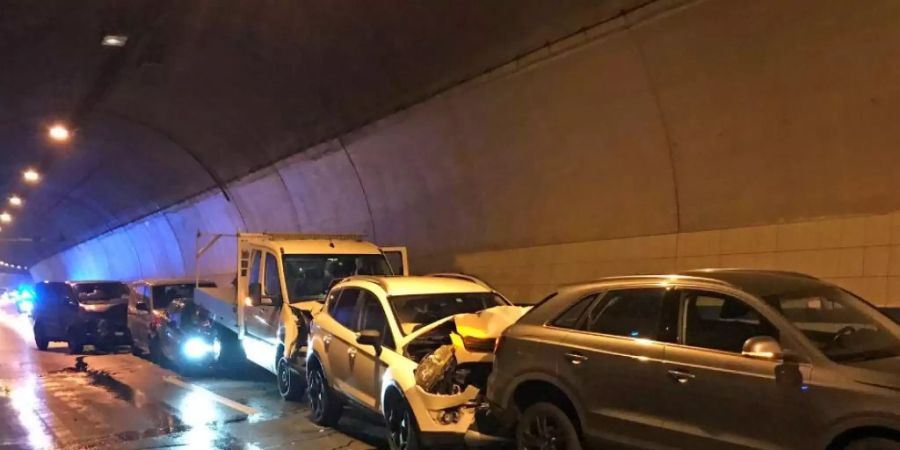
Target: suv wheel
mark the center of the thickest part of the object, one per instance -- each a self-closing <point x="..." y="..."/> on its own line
<point x="40" y="337"/>
<point x="543" y="426"/>
<point x="290" y="383"/>
<point x="76" y="346"/>
<point x="325" y="407"/>
<point x="403" y="432"/>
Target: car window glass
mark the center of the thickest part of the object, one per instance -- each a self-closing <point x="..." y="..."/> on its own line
<point x="344" y="311"/>
<point x="721" y="322"/>
<point x="374" y="318"/>
<point x="255" y="260"/>
<point x="273" y="280"/>
<point x="571" y="318"/>
<point x="628" y="312"/>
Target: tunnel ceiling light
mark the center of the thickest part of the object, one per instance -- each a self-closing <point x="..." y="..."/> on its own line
<point x="15" y="200"/>
<point x="114" y="40"/>
<point x="59" y="133"/>
<point x="5" y="217"/>
<point x="31" y="176"/>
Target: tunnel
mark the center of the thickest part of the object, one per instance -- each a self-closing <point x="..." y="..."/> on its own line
<point x="531" y="144"/>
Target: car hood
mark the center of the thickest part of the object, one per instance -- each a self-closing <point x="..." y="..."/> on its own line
<point x="883" y="372"/>
<point x="313" y="306"/>
<point x="488" y="323"/>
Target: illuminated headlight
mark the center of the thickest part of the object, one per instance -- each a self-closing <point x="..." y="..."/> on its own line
<point x="197" y="348"/>
<point x="26" y="306"/>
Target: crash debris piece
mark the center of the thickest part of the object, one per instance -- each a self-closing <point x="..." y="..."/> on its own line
<point x="435" y="372"/>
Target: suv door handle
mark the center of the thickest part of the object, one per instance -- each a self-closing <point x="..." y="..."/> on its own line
<point x="326" y="340"/>
<point x="575" y="358"/>
<point x="351" y="352"/>
<point x="681" y="376"/>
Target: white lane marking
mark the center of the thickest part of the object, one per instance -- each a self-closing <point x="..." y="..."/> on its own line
<point x="225" y="401"/>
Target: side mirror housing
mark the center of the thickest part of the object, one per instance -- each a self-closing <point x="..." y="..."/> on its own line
<point x="764" y="348"/>
<point x="370" y="337"/>
<point x="142" y="306"/>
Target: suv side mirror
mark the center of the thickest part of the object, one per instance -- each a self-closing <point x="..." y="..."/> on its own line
<point x="370" y="337"/>
<point x="142" y="306"/>
<point x="763" y="347"/>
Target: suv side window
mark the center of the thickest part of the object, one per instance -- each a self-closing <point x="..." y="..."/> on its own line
<point x="344" y="310"/>
<point x="571" y="318"/>
<point x="273" y="280"/>
<point x="374" y="318"/>
<point x="721" y="322"/>
<point x="633" y="313"/>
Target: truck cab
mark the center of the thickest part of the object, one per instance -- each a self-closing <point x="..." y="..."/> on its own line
<point x="281" y="281"/>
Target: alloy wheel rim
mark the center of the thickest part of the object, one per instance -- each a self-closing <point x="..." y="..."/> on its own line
<point x="315" y="393"/>
<point x="283" y="377"/>
<point x="543" y="433"/>
<point x="400" y="428"/>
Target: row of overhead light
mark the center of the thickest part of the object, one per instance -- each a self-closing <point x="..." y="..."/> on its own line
<point x="58" y="133"/>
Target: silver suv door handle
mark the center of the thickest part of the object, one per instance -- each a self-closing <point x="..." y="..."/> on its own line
<point x="681" y="376"/>
<point x="575" y="358"/>
<point x="327" y="340"/>
<point x="351" y="353"/>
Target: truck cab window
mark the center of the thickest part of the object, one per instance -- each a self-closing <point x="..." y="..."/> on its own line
<point x="273" y="281"/>
<point x="255" y="262"/>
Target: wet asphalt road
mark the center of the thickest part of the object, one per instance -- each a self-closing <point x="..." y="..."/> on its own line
<point x="52" y="400"/>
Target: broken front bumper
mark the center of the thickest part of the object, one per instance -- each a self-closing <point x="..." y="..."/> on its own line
<point x="453" y="420"/>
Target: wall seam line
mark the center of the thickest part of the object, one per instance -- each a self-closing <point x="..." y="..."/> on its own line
<point x="362" y="187"/>
<point x="287" y="191"/>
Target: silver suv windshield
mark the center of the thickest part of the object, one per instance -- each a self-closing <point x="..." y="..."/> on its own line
<point x="844" y="327"/>
<point x="310" y="276"/>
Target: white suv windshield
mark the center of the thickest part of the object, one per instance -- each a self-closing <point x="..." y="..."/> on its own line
<point x="310" y="276"/>
<point x="844" y="327"/>
<point x="415" y="310"/>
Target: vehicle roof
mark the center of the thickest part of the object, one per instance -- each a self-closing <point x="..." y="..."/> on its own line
<point x="417" y="285"/>
<point x="168" y="281"/>
<point x="76" y="283"/>
<point x="758" y="282"/>
<point x="325" y="247"/>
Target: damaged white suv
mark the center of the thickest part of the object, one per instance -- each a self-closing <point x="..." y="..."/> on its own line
<point x="417" y="350"/>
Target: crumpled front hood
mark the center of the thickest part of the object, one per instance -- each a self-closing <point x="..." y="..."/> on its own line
<point x="488" y="323"/>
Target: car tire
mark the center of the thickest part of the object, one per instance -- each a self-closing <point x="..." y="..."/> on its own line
<point x="545" y="426"/>
<point x="873" y="443"/>
<point x="325" y="407"/>
<point x="76" y="345"/>
<point x="403" y="431"/>
<point x="40" y="337"/>
<point x="291" y="385"/>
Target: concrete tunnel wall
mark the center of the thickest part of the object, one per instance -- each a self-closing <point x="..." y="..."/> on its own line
<point x="682" y="135"/>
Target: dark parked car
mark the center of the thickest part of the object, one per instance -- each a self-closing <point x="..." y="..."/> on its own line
<point x="81" y="313"/>
<point x="708" y="359"/>
<point x="166" y="325"/>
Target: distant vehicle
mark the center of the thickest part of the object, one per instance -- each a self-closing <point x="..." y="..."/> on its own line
<point x="81" y="313"/>
<point x="280" y="282"/>
<point x="166" y="325"/>
<point x="415" y="350"/>
<point x="707" y="359"/>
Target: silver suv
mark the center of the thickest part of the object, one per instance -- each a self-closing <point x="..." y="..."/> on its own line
<point x="707" y="359"/>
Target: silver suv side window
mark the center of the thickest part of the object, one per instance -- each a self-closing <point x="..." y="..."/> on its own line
<point x="635" y="313"/>
<point x="572" y="318"/>
<point x="721" y="322"/>
<point x="374" y="318"/>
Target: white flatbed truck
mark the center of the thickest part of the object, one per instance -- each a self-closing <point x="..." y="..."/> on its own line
<point x="280" y="282"/>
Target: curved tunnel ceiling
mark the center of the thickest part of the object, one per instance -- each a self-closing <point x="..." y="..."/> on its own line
<point x="207" y="91"/>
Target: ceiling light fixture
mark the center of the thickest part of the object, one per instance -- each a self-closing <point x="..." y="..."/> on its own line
<point x="31" y="176"/>
<point x="59" y="133"/>
<point x="114" y="40"/>
<point x="15" y="200"/>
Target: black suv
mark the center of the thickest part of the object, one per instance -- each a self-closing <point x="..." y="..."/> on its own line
<point x="81" y="313"/>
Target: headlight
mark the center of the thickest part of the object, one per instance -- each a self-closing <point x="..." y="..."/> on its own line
<point x="197" y="348"/>
<point x="26" y="306"/>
